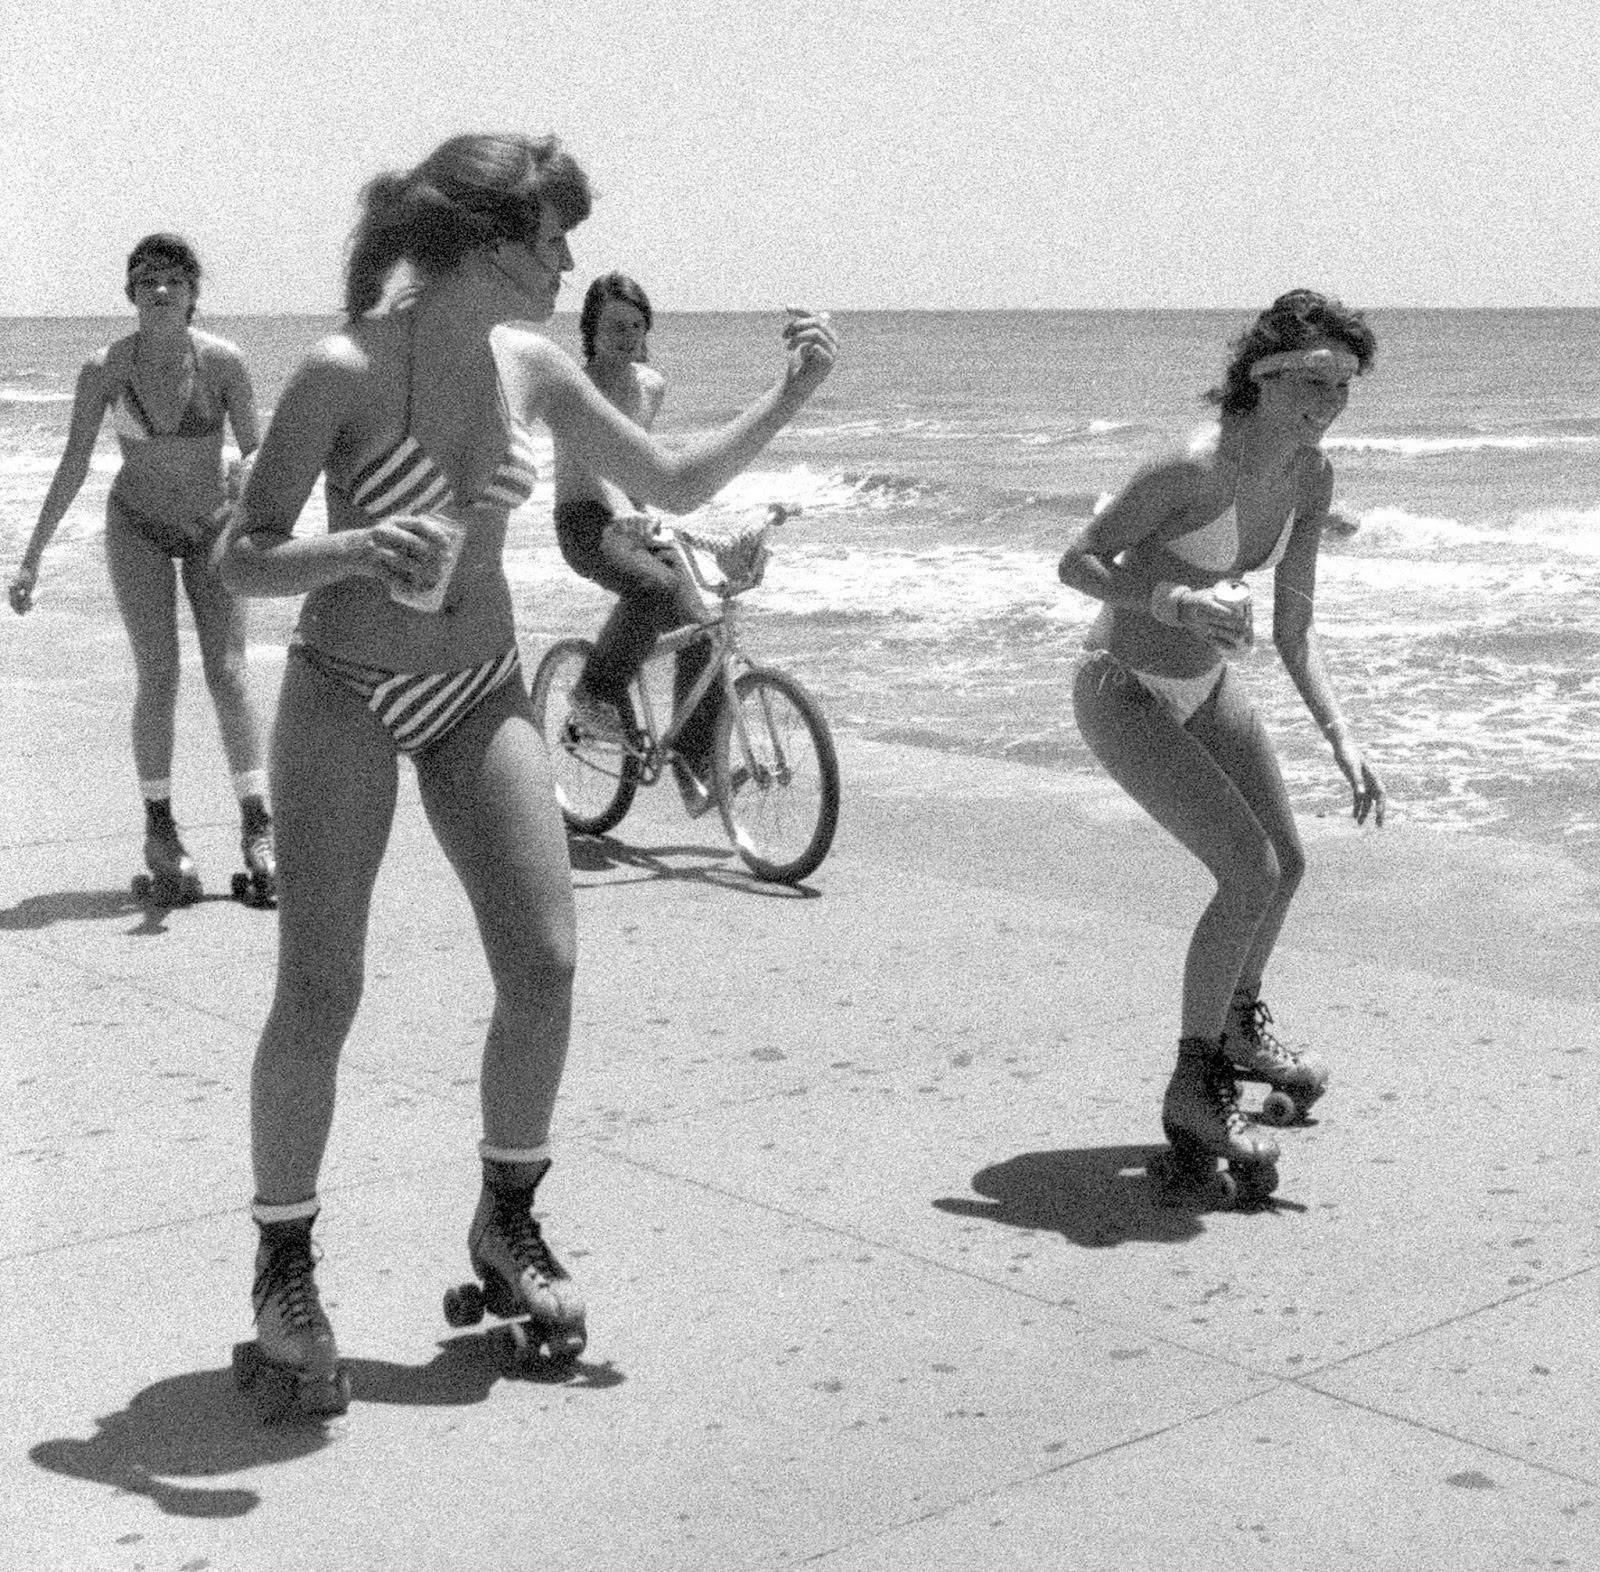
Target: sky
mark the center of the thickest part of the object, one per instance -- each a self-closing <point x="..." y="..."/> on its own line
<point x="850" y="154"/>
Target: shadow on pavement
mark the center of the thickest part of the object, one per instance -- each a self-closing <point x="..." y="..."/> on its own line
<point x="35" y="912"/>
<point x="720" y="867"/>
<point x="1096" y="1196"/>
<point x="199" y="1426"/>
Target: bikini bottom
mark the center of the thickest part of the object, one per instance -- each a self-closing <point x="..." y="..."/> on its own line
<point x="418" y="708"/>
<point x="1181" y="696"/>
<point x="194" y="539"/>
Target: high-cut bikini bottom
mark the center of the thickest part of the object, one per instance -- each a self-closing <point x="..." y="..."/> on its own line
<point x="1179" y="696"/>
<point x="416" y="708"/>
<point x="193" y="539"/>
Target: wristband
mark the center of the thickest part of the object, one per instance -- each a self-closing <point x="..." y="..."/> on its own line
<point x="1166" y="603"/>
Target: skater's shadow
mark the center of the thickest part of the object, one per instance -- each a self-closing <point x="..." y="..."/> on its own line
<point x="1096" y="1196"/>
<point x="465" y="1370"/>
<point x="34" y="912"/>
<point x="719" y="867"/>
<point x="199" y="1426"/>
<point x="187" y="1427"/>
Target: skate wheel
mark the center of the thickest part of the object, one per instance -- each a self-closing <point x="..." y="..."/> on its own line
<point x="142" y="886"/>
<point x="1280" y="1109"/>
<point x="463" y="1306"/>
<point x="189" y="891"/>
<point x="1252" y="1183"/>
<point x="241" y="886"/>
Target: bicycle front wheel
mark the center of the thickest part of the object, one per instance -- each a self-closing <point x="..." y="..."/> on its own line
<point x="595" y="781"/>
<point x="777" y="776"/>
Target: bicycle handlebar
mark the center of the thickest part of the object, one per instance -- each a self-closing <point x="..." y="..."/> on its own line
<point x="742" y="559"/>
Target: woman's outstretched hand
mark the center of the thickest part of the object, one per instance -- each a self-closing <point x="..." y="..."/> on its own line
<point x="813" y="347"/>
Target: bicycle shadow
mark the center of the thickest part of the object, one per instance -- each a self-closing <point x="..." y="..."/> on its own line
<point x="199" y="1426"/>
<point x="717" y="866"/>
<point x="1095" y="1196"/>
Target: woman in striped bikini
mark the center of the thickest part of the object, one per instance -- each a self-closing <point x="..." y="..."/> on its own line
<point x="1163" y="711"/>
<point x="418" y="415"/>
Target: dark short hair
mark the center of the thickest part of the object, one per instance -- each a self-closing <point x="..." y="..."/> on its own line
<point x="1295" y="320"/>
<point x="165" y="250"/>
<point x="610" y="286"/>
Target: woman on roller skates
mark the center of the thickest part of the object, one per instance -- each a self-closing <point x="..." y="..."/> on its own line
<point x="1164" y="712"/>
<point x="418" y="413"/>
<point x="169" y="389"/>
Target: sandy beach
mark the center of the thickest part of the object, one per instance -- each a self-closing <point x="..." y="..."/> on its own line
<point x="853" y="1180"/>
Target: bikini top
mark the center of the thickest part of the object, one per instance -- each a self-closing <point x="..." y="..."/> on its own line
<point x="407" y="479"/>
<point x="1214" y="547"/>
<point x="201" y="417"/>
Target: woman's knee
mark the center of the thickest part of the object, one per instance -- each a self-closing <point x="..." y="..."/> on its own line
<point x="225" y="673"/>
<point x="1251" y="879"/>
<point x="317" y="1000"/>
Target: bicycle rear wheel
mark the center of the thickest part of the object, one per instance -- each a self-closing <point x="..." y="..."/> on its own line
<point x="777" y="776"/>
<point x="595" y="781"/>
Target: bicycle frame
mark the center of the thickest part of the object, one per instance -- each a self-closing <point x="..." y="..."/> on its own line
<point x="723" y="636"/>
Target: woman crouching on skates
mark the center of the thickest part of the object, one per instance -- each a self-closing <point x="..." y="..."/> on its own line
<point x="419" y="416"/>
<point x="1164" y="712"/>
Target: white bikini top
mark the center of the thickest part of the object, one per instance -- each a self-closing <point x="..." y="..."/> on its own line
<point x="1214" y="547"/>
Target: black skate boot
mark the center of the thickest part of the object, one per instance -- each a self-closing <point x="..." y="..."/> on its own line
<point x="521" y="1280"/>
<point x="171" y="880"/>
<point x="1295" y="1079"/>
<point x="1201" y="1118"/>
<point x="258" y="884"/>
<point x="292" y="1370"/>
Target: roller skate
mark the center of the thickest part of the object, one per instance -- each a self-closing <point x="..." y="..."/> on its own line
<point x="1295" y="1079"/>
<point x="258" y="884"/>
<point x="519" y="1278"/>
<point x="292" y="1369"/>
<point x="1201" y="1118"/>
<point x="171" y="880"/>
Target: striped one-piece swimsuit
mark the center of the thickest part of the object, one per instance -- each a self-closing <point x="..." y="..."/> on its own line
<point x="419" y="708"/>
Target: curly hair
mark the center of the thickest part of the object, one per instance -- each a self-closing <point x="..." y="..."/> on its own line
<point x="165" y="249"/>
<point x="471" y="192"/>
<point x="1296" y="320"/>
<point x="610" y="286"/>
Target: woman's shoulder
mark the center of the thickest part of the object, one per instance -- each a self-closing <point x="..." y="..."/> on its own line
<point x="213" y="346"/>
<point x="114" y="359"/>
<point x="513" y="341"/>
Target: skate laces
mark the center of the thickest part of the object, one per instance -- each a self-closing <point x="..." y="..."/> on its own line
<point x="1224" y="1090"/>
<point x="285" y="1277"/>
<point x="520" y="1230"/>
<point x="1263" y="1046"/>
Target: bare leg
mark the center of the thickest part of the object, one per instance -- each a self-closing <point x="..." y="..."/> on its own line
<point x="488" y="794"/>
<point x="334" y="780"/>
<point x="1229" y="729"/>
<point x="145" y="585"/>
<point x="220" y="622"/>
<point x="1178" y="782"/>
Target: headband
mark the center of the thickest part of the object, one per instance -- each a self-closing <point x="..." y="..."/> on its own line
<point x="1327" y="365"/>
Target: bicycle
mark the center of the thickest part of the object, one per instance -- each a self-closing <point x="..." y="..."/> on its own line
<point x="775" y="772"/>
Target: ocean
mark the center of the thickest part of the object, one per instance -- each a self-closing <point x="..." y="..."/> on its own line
<point x="951" y="456"/>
